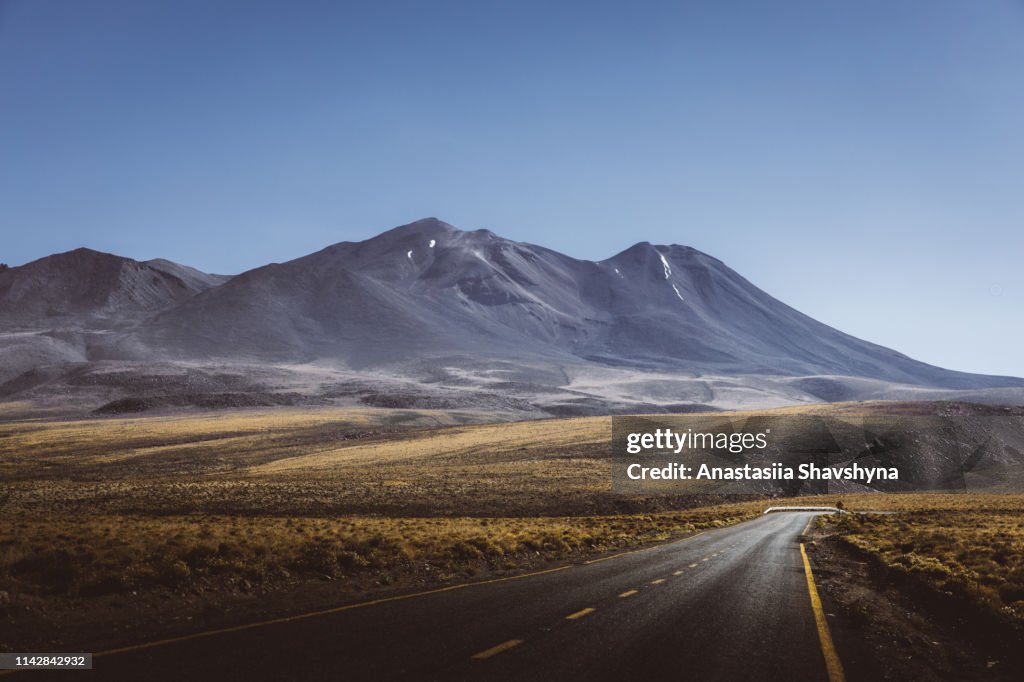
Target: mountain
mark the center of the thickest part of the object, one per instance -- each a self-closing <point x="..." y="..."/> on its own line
<point x="90" y="287"/>
<point x="427" y="289"/>
<point x="429" y="315"/>
<point x="195" y="280"/>
<point x="67" y="309"/>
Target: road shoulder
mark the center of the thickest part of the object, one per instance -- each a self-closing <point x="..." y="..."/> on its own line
<point x="886" y="631"/>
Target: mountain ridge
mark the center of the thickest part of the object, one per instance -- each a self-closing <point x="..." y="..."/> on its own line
<point x="90" y="283"/>
<point x="624" y="296"/>
<point x="426" y="299"/>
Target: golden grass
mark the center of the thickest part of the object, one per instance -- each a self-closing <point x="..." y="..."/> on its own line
<point x="101" y="505"/>
<point x="75" y="555"/>
<point x="929" y="502"/>
<point x="105" y="505"/>
<point x="251" y="432"/>
<point x="306" y="462"/>
<point x="295" y="441"/>
<point x="548" y="437"/>
<point x="971" y="546"/>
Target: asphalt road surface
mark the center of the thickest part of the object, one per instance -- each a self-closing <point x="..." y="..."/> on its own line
<point x="727" y="604"/>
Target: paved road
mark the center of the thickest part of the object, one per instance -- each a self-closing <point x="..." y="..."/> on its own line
<point x="728" y="604"/>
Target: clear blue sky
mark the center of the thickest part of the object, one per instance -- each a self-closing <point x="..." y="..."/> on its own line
<point x="862" y="161"/>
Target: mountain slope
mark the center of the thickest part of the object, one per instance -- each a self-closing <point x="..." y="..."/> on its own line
<point x="67" y="309"/>
<point x="427" y="290"/>
<point x="429" y="316"/>
<point x="192" y="278"/>
<point x="89" y="287"/>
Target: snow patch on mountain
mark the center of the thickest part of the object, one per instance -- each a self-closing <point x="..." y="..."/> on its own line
<point x="664" y="262"/>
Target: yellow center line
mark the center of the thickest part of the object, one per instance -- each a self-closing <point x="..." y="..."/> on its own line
<point x="580" y="613"/>
<point x="828" y="649"/>
<point x="658" y="581"/>
<point x="677" y="572"/>
<point x="705" y="558"/>
<point x="628" y="593"/>
<point x="608" y="558"/>
<point x="692" y="566"/>
<point x="494" y="650"/>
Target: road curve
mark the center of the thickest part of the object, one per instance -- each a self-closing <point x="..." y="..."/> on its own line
<point x="727" y="604"/>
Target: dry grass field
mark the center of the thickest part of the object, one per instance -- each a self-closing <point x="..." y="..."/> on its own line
<point x="306" y="463"/>
<point x="257" y="497"/>
<point x="81" y="556"/>
<point x="252" y="502"/>
<point x="968" y="546"/>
